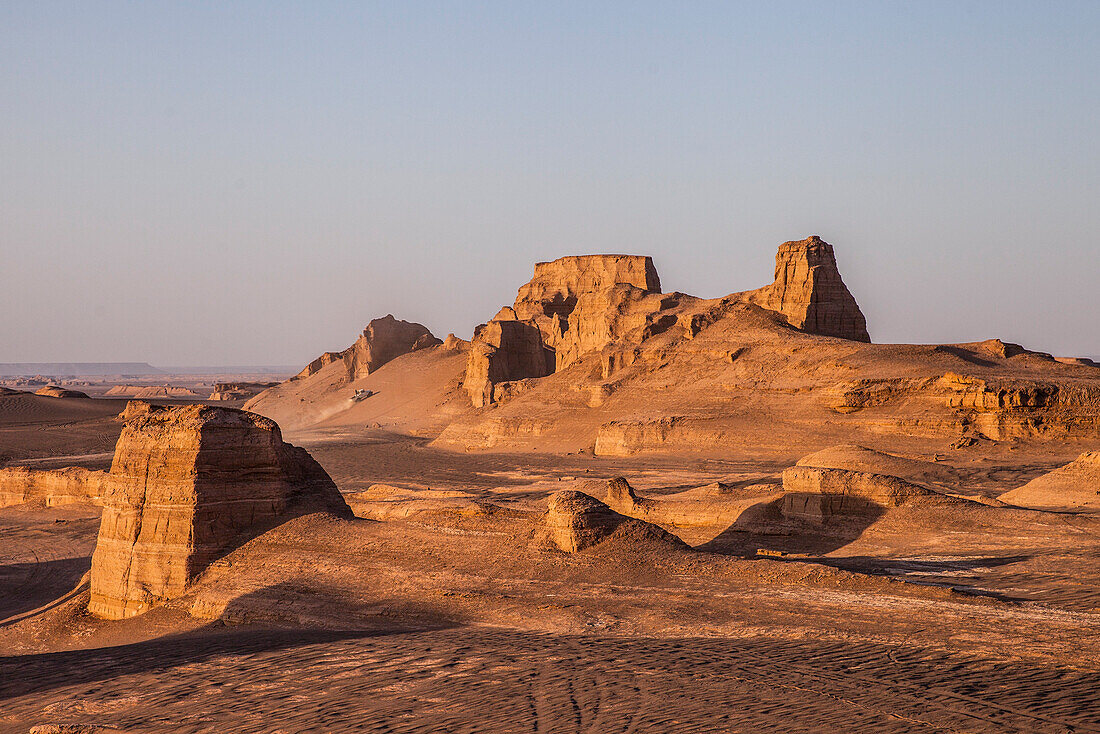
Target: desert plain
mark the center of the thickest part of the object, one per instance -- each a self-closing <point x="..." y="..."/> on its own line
<point x="612" y="508"/>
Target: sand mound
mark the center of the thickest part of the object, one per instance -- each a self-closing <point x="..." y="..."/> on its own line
<point x="858" y="458"/>
<point x="414" y="393"/>
<point x="578" y="521"/>
<point x="1075" y="486"/>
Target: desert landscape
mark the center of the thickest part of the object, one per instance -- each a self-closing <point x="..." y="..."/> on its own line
<point x="611" y="508"/>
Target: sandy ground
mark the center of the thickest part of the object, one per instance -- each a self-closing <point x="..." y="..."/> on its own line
<point x="466" y="624"/>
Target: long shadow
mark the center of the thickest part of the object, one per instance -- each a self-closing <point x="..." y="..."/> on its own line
<point x="26" y="586"/>
<point x="965" y="355"/>
<point x="35" y="673"/>
<point x="787" y="525"/>
<point x="23" y="674"/>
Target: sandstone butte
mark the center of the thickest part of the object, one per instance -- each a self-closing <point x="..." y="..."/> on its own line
<point x="186" y="485"/>
<point x="579" y="305"/>
<point x="382" y="340"/>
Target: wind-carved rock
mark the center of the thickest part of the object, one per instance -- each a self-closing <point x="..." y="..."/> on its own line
<point x="187" y="483"/>
<point x="809" y="291"/>
<point x="585" y="304"/>
<point x="502" y="351"/>
<point x="571" y="307"/>
<point x="384" y="339"/>
<point x="577" y="521"/>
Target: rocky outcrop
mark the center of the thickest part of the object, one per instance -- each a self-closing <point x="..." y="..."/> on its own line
<point x="53" y="391"/>
<point x="383" y="340"/>
<point x="52" y="487"/>
<point x="150" y="392"/>
<point x="571" y="307"/>
<point x="1073" y="487"/>
<point x="815" y="493"/>
<point x="186" y="483"/>
<point x="582" y="304"/>
<point x="224" y="391"/>
<point x="556" y="286"/>
<point x="577" y="521"/>
<point x="810" y="293"/>
<point x="504" y="351"/>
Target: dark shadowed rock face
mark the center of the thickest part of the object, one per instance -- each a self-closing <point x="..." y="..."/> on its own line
<point x="809" y="291"/>
<point x="186" y="484"/>
<point x="502" y="351"/>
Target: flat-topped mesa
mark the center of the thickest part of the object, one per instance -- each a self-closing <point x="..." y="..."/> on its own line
<point x="809" y="291"/>
<point x="556" y="286"/>
<point x="187" y="482"/>
<point x="383" y="340"/>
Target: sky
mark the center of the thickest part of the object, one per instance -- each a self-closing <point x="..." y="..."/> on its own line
<point x="235" y="183"/>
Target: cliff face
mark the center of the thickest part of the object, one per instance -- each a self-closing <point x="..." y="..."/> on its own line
<point x="186" y="482"/>
<point x="570" y="307"/>
<point x="809" y="291"/>
<point x="382" y="340"/>
<point x="504" y="350"/>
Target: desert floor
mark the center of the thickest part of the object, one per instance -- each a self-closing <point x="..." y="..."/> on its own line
<point x="996" y="629"/>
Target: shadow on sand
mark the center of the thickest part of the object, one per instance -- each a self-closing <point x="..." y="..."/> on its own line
<point x="765" y="526"/>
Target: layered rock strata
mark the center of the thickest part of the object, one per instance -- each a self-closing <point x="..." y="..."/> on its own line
<point x="594" y="303"/>
<point x="186" y="483"/>
<point x="815" y="493"/>
<point x="383" y="340"/>
<point x="810" y="293"/>
<point x="52" y="486"/>
<point x="503" y="351"/>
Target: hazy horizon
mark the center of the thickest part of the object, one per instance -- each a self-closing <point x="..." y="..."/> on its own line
<point x="251" y="184"/>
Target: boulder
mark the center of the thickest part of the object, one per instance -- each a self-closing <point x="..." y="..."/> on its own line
<point x="187" y="484"/>
<point x="383" y="340"/>
<point x="810" y="293"/>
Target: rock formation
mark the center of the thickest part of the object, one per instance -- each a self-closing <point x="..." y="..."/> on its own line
<point x="809" y="291"/>
<point x="53" y="391"/>
<point x="150" y="392"/>
<point x="587" y="304"/>
<point x="382" y="340"/>
<point x="186" y="482"/>
<point x="504" y="351"/>
<point x="224" y="391"/>
<point x="52" y="487"/>
<point x="577" y="521"/>
<point x="571" y="307"/>
<point x="816" y="493"/>
<point x="1074" y="487"/>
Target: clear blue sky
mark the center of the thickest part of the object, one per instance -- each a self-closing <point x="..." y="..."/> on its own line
<point x="250" y="183"/>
